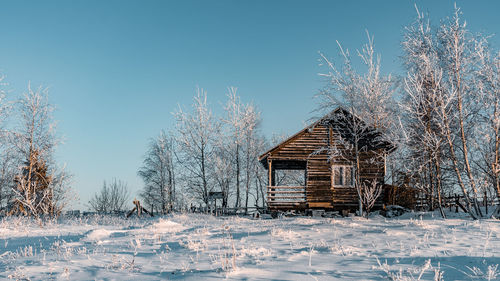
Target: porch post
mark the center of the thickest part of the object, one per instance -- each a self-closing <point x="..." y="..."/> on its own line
<point x="271" y="181"/>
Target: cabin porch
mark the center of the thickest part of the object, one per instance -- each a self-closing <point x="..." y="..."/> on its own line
<point x="283" y="195"/>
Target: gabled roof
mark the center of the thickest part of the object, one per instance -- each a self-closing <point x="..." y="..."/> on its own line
<point x="300" y="133"/>
<point x="370" y="135"/>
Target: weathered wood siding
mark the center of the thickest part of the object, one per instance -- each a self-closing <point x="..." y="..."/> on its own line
<point x="301" y="147"/>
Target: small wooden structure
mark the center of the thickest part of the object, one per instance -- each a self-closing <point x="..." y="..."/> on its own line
<point x="328" y="180"/>
<point x="212" y="198"/>
<point x="139" y="209"/>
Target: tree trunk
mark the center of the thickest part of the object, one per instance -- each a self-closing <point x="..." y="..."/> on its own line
<point x="457" y="172"/>
<point x="247" y="175"/>
<point x="237" y="203"/>
<point x="203" y="178"/>
<point x="438" y="182"/>
<point x="358" y="180"/>
<point x="465" y="152"/>
<point x="496" y="167"/>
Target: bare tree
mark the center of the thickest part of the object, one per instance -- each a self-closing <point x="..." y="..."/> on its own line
<point x="223" y="170"/>
<point x="251" y="121"/>
<point x="111" y="198"/>
<point x="34" y="142"/>
<point x="8" y="171"/>
<point x="425" y="141"/>
<point x="260" y="174"/>
<point x="487" y="131"/>
<point x="242" y="121"/>
<point x="7" y="154"/>
<point x="234" y="119"/>
<point x="196" y="134"/>
<point x="367" y="102"/>
<point x="446" y="69"/>
<point x="458" y="58"/>
<point x="371" y="192"/>
<point x="158" y="175"/>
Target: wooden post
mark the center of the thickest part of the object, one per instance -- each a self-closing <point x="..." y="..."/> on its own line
<point x="456" y="203"/>
<point x="485" y="201"/>
<point x="139" y="208"/>
<point x="271" y="179"/>
<point x="449" y="200"/>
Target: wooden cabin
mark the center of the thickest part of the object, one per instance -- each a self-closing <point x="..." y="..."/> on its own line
<point x="322" y="153"/>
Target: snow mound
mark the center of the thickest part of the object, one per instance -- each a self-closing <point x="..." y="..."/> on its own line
<point x="166" y="226"/>
<point x="98" y="234"/>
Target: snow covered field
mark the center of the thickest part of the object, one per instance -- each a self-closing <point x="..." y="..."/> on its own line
<point x="202" y="247"/>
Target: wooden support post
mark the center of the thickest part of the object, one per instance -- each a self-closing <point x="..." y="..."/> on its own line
<point x="139" y="208"/>
<point x="271" y="178"/>
<point x="305" y="177"/>
<point x="485" y="201"/>
<point x="449" y="200"/>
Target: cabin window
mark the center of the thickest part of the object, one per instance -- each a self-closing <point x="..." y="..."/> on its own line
<point x="343" y="175"/>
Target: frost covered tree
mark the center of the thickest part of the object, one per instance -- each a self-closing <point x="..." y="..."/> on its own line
<point x="251" y="147"/>
<point x="443" y="101"/>
<point x="424" y="138"/>
<point x="157" y="172"/>
<point x="242" y="121"/>
<point x="458" y="58"/>
<point x="8" y="170"/>
<point x="196" y="135"/>
<point x="234" y="120"/>
<point x="487" y="131"/>
<point x="371" y="191"/>
<point x="111" y="198"/>
<point x="41" y="188"/>
<point x="367" y="100"/>
<point x="223" y="168"/>
<point x="7" y="154"/>
<point x="260" y="174"/>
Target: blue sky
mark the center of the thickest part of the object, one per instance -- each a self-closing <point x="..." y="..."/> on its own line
<point x="118" y="69"/>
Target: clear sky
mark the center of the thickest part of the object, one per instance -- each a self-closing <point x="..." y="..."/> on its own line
<point x="118" y="69"/>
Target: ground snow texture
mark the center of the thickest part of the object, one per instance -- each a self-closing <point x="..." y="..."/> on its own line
<point x="202" y="247"/>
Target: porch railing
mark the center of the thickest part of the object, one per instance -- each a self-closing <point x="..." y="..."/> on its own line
<point x="286" y="196"/>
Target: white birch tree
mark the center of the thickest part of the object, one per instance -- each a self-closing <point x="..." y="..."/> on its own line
<point x="196" y="134"/>
<point x="234" y="120"/>
<point x="251" y="121"/>
<point x="158" y="174"/>
<point x="450" y="93"/>
<point x="487" y="132"/>
<point x="424" y="138"/>
<point x="223" y="167"/>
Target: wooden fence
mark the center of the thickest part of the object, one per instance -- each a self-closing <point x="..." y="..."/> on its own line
<point x="453" y="202"/>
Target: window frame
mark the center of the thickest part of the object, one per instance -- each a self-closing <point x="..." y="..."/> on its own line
<point x="343" y="169"/>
